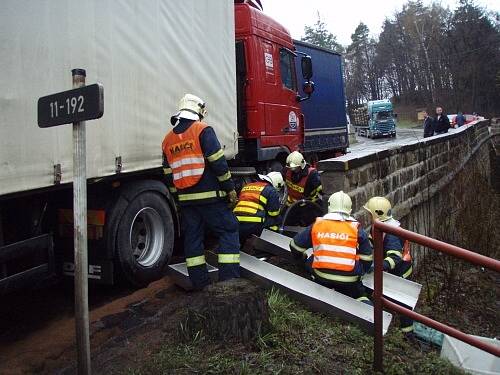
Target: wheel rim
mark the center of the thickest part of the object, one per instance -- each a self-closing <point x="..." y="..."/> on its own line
<point x="147" y="236"/>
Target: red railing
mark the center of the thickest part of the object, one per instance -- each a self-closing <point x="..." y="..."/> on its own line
<point x="379" y="302"/>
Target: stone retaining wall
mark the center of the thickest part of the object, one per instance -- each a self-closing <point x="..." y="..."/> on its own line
<point x="411" y="174"/>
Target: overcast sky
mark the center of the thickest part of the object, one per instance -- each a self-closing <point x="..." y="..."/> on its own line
<point x="342" y="16"/>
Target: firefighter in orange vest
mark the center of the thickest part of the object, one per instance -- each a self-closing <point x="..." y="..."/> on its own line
<point x="341" y="251"/>
<point x="259" y="205"/>
<point x="302" y="180"/>
<point x="397" y="257"/>
<point x="198" y="177"/>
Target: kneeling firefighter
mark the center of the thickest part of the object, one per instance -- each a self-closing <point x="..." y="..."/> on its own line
<point x="198" y="177"/>
<point x="259" y="205"/>
<point x="341" y="251"/>
<point x="397" y="257"/>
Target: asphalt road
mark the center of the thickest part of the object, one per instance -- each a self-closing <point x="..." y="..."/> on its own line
<point x="403" y="136"/>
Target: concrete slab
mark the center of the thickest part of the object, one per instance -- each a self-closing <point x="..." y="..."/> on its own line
<point x="317" y="297"/>
<point x="396" y="288"/>
<point x="179" y="274"/>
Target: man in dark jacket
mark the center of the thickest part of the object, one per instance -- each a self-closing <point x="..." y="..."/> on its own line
<point x="460" y="119"/>
<point x="428" y="125"/>
<point x="441" y="122"/>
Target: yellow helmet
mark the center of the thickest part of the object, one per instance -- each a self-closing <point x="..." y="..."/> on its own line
<point x="295" y="159"/>
<point x="340" y="202"/>
<point x="379" y="207"/>
<point x="190" y="107"/>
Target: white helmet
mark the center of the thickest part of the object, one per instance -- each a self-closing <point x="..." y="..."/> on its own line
<point x="340" y="202"/>
<point x="379" y="207"/>
<point x="274" y="178"/>
<point x="295" y="159"/>
<point x="190" y="107"/>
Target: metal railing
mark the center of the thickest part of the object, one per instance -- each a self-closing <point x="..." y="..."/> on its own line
<point x="380" y="302"/>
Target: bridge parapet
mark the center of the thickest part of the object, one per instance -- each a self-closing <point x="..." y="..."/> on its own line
<point x="409" y="174"/>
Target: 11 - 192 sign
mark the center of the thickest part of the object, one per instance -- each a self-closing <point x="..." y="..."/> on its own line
<point x="81" y="104"/>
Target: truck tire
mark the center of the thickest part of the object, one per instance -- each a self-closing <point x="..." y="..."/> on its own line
<point x="144" y="239"/>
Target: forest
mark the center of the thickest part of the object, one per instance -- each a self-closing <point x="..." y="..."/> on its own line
<point x="425" y="55"/>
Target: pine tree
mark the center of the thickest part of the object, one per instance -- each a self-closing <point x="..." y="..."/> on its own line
<point x="319" y="35"/>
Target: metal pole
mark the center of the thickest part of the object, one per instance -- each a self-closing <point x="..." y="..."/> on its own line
<point x="80" y="237"/>
<point x="378" y="340"/>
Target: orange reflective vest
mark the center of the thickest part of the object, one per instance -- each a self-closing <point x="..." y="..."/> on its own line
<point x="251" y="203"/>
<point x="185" y="156"/>
<point x="296" y="190"/>
<point x="335" y="244"/>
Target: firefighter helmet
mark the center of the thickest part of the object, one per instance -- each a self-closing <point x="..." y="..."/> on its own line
<point x="340" y="202"/>
<point x="190" y="107"/>
<point x="379" y="207"/>
<point x="295" y="160"/>
<point x="274" y="178"/>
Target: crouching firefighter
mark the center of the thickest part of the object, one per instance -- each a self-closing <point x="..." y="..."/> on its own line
<point x="259" y="205"/>
<point x="397" y="257"/>
<point x="341" y="250"/>
<point x="302" y="180"/>
<point x="198" y="177"/>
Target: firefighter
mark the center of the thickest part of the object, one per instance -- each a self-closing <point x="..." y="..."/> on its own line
<point x="397" y="257"/>
<point x="302" y="180"/>
<point x="341" y="250"/>
<point x="198" y="177"/>
<point x="259" y="205"/>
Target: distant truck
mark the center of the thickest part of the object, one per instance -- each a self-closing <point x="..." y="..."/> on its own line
<point x="375" y="119"/>
<point x="325" y="130"/>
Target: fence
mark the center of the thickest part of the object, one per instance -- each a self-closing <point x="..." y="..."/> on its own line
<point x="380" y="302"/>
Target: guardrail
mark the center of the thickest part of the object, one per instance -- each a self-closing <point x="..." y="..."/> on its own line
<point x="379" y="302"/>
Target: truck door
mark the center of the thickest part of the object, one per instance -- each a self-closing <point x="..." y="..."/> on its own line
<point x="281" y="107"/>
<point x="241" y="81"/>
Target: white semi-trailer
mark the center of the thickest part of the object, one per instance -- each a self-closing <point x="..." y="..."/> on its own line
<point x="146" y="54"/>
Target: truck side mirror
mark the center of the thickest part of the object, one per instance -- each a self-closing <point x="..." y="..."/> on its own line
<point x="307" y="70"/>
<point x="395" y="115"/>
<point x="308" y="87"/>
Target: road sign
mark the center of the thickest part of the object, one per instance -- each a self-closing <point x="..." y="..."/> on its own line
<point x="80" y="104"/>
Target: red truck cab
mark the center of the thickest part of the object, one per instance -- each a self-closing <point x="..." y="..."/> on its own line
<point x="270" y="122"/>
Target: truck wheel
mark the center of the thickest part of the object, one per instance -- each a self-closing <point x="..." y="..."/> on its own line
<point x="145" y="239"/>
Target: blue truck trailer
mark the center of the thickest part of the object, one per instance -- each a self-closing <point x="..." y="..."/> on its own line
<point x="325" y="132"/>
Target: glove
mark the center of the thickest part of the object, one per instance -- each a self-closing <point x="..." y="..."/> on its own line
<point x="233" y="199"/>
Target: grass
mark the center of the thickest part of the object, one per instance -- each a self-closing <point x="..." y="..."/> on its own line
<point x="299" y="342"/>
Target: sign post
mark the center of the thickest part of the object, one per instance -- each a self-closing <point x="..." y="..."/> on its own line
<point x="75" y="106"/>
<point x="80" y="236"/>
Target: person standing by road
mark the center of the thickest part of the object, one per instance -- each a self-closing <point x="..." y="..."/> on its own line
<point x="428" y="125"/>
<point x="460" y="119"/>
<point x="198" y="177"/>
<point x="441" y="122"/>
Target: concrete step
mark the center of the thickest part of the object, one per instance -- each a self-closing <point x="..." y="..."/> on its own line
<point x="402" y="291"/>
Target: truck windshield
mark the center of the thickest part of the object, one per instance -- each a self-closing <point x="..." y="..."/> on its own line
<point x="287" y="68"/>
<point x="385" y="115"/>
